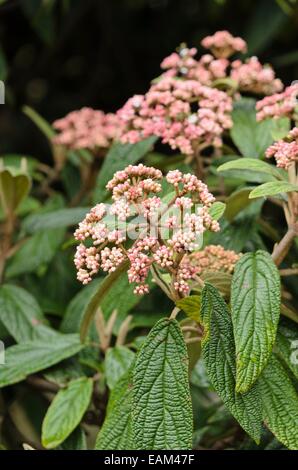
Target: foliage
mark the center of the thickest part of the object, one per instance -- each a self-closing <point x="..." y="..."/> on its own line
<point x="206" y="355"/>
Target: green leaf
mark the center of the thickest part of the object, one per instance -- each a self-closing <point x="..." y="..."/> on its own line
<point x="273" y="187"/>
<point x="162" y="410"/>
<point x="217" y="210"/>
<point x="98" y="297"/>
<point x="191" y="305"/>
<point x="255" y="301"/>
<point x="279" y="398"/>
<point x="76" y="441"/>
<point x="35" y="251"/>
<point x="14" y="187"/>
<point x="57" y="219"/>
<point x="20" y="313"/>
<point x="117" y="362"/>
<point x="219" y="356"/>
<point x="118" y="157"/>
<point x="27" y="358"/>
<point x="66" y="411"/>
<point x="116" y="432"/>
<point x="251" y="137"/>
<point x="286" y="346"/>
<point x="251" y="164"/>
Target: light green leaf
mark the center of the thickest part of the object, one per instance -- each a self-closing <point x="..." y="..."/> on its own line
<point x="251" y="137"/>
<point x="251" y="164"/>
<point x="117" y="362"/>
<point x="217" y="210"/>
<point x="57" y="219"/>
<point x="255" y="302"/>
<point x="14" y="187"/>
<point x="20" y="313"/>
<point x="286" y="346"/>
<point x="191" y="305"/>
<point x="66" y="411"/>
<point x="279" y="398"/>
<point x="27" y="358"/>
<point x="116" y="432"/>
<point x="219" y="356"/>
<point x="273" y="187"/>
<point x="162" y="411"/>
<point x="118" y="157"/>
<point x="36" y="251"/>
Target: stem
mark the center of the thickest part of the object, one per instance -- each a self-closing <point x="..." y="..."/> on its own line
<point x="282" y="248"/>
<point x="174" y="313"/>
<point x="288" y="272"/>
<point x="42" y="384"/>
<point x="6" y="241"/>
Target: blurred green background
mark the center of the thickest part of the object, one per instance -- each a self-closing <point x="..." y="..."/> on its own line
<point x="60" y="55"/>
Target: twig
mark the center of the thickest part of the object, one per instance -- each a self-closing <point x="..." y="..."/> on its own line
<point x="42" y="384"/>
<point x="282" y="248"/>
<point x="288" y="272"/>
<point x="174" y="313"/>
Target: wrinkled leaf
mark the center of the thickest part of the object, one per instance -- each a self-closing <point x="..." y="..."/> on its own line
<point x="219" y="356"/>
<point x="255" y="302"/>
<point x="279" y="398"/>
<point x="162" y="411"/>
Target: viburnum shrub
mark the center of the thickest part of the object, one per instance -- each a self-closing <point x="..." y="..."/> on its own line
<point x="185" y="202"/>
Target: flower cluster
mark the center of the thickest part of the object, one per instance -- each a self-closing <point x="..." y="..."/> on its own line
<point x="183" y="113"/>
<point x="249" y="76"/>
<point x="253" y="77"/>
<point x="165" y="232"/>
<point x="285" y="151"/>
<point x="279" y="105"/>
<point x="222" y="44"/>
<point x="182" y="64"/>
<point x="214" y="258"/>
<point x="87" y="128"/>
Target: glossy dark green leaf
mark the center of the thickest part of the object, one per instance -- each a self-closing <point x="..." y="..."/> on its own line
<point x="37" y="250"/>
<point x="66" y="411"/>
<point x="27" y="358"/>
<point x="117" y="362"/>
<point x="20" y="313"/>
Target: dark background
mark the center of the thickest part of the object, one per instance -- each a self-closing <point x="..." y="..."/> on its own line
<point x="60" y="55"/>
